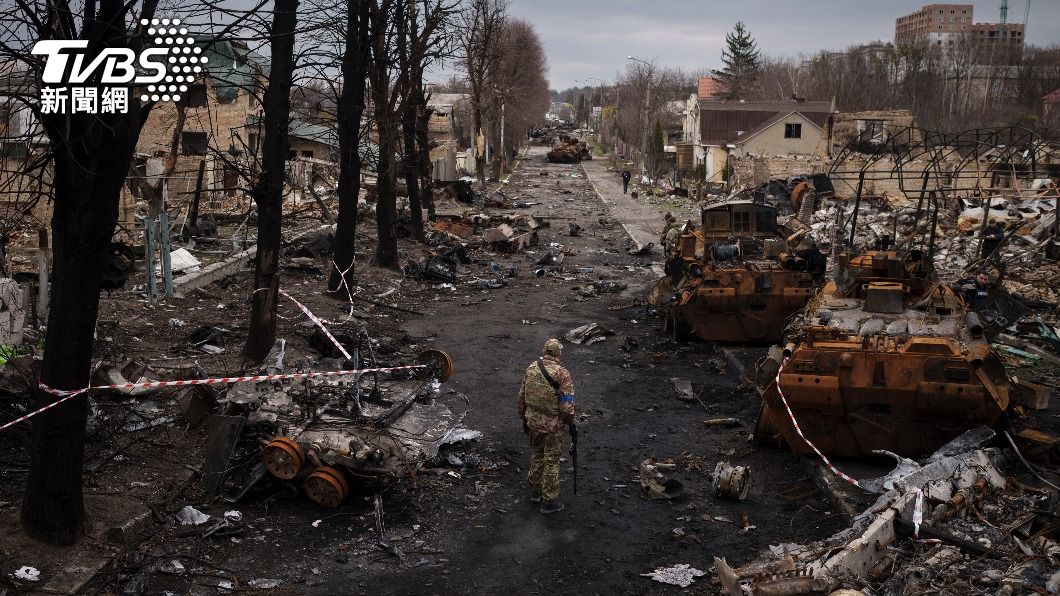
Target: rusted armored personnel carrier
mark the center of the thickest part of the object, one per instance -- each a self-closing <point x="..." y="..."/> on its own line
<point x="885" y="357"/>
<point x="735" y="278"/>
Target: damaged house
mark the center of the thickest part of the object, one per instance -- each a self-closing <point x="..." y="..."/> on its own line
<point x="449" y="132"/>
<point x="218" y="113"/>
<point x="746" y="138"/>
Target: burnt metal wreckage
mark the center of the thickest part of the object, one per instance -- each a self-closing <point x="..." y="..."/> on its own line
<point x="737" y="277"/>
<point x="888" y="356"/>
<point x="329" y="436"/>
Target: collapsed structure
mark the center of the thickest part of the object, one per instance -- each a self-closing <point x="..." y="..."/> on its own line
<point x="888" y="356"/>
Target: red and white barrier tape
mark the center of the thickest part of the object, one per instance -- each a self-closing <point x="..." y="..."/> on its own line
<point x="798" y="430"/>
<point x="69" y="394"/>
<point x="320" y="324"/>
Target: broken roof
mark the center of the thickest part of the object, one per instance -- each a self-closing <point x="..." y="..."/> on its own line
<point x="446" y="99"/>
<point x="320" y="133"/>
<point x="232" y="65"/>
<point x="724" y="122"/>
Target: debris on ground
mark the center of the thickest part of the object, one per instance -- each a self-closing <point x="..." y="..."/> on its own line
<point x="588" y="334"/>
<point x="682" y="575"/>
<point x="190" y="516"/>
<point x="957" y="520"/>
<point x="658" y="485"/>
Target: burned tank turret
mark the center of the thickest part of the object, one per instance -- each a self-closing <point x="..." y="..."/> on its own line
<point x="736" y="278"/>
<point x="884" y="357"/>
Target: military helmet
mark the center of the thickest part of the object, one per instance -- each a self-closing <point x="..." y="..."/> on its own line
<point x="553" y="347"/>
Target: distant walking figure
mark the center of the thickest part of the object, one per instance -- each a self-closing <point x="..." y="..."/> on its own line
<point x="625" y="180"/>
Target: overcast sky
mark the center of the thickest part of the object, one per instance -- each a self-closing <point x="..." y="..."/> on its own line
<point x="591" y="38"/>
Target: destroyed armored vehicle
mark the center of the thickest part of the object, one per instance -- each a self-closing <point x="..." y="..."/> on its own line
<point x="332" y="434"/>
<point x="569" y="150"/>
<point x="736" y="278"/>
<point x="884" y="358"/>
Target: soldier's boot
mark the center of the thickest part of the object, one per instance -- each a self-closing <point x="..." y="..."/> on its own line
<point x="551" y="507"/>
<point x="536" y="497"/>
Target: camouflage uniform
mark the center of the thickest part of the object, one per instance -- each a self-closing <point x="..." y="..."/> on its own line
<point x="670" y="235"/>
<point x="546" y="412"/>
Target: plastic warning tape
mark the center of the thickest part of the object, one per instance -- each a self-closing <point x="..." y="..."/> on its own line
<point x="320" y="324"/>
<point x="798" y="430"/>
<point x="71" y="393"/>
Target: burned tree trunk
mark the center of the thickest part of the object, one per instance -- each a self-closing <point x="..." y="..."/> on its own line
<point x="385" y="206"/>
<point x="268" y="188"/>
<point x="410" y="79"/>
<point x="383" y="101"/>
<point x="351" y="108"/>
<point x="412" y="176"/>
<point x="92" y="154"/>
<point x="423" y="151"/>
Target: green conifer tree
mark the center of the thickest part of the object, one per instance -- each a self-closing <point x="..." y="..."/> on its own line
<point x="741" y="59"/>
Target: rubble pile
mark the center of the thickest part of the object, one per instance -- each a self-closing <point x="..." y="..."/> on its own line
<point x="961" y="521"/>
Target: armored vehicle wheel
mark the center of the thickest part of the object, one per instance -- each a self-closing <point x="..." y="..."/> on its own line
<point x="327" y="487"/>
<point x="283" y="458"/>
<point x="439" y="366"/>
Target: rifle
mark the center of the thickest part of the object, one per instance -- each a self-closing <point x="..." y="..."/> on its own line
<point x="573" y="450"/>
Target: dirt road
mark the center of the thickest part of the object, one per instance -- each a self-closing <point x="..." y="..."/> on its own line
<point x="465" y="525"/>
<point x="486" y="535"/>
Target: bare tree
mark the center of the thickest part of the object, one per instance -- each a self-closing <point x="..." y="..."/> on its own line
<point x="423" y="39"/>
<point x="384" y="93"/>
<point x="519" y="88"/>
<point x="268" y="188"/>
<point x="91" y="154"/>
<point x="351" y="109"/>
<point x="480" y="26"/>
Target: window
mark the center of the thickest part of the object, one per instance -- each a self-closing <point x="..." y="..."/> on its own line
<point x="741" y="221"/>
<point x="195" y="97"/>
<point x="307" y="154"/>
<point x="792" y="130"/>
<point x="765" y="221"/>
<point x="716" y="220"/>
<point x="5" y="120"/>
<point x="193" y="143"/>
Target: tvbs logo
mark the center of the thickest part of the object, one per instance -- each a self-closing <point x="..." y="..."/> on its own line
<point x="118" y="64"/>
<point x="165" y="68"/>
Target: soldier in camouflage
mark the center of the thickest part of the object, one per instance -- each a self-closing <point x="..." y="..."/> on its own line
<point x="670" y="234"/>
<point x="546" y="406"/>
